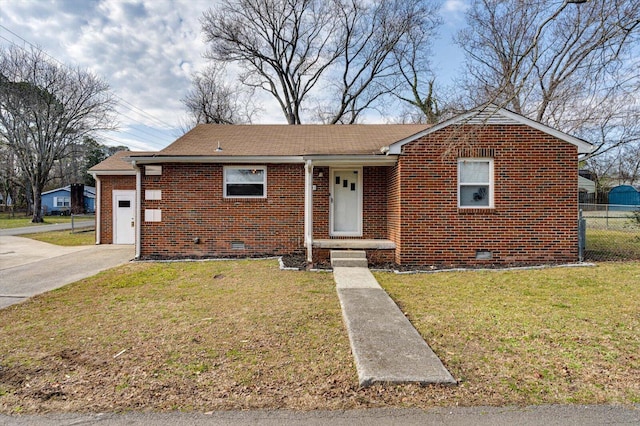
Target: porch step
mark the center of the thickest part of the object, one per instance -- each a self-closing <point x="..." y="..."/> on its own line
<point x="349" y="258"/>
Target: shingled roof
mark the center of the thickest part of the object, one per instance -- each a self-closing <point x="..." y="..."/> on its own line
<point x="118" y="163"/>
<point x="286" y="140"/>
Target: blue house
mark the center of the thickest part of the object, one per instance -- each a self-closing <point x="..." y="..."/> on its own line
<point x="624" y="195"/>
<point x="58" y="201"/>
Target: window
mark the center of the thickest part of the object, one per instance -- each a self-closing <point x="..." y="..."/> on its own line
<point x="245" y="182"/>
<point x="62" y="201"/>
<point x="475" y="183"/>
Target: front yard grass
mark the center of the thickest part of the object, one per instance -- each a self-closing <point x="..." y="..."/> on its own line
<point x="243" y="334"/>
<point x="19" y="220"/>
<point x="608" y="244"/>
<point x="65" y="238"/>
<point x="563" y="335"/>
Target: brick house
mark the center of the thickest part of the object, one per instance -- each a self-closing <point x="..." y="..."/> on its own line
<point x="486" y="187"/>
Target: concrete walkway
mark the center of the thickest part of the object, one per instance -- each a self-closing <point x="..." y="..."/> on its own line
<point x="385" y="346"/>
<point x="29" y="267"/>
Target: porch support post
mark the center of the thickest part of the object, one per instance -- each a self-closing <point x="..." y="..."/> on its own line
<point x="98" y="207"/>
<point x="138" y="208"/>
<point x="308" y="209"/>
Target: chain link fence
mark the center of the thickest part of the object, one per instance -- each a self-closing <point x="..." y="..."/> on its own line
<point x="610" y="232"/>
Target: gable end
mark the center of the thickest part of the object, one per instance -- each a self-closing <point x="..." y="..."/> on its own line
<point x="492" y="115"/>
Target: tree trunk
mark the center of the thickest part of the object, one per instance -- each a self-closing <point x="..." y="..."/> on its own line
<point x="37" y="203"/>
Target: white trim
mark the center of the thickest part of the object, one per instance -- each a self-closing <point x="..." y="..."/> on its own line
<point x="112" y="173"/>
<point x="468" y="118"/>
<point x="138" y="210"/>
<point x="318" y="160"/>
<point x="491" y="181"/>
<point x="308" y="209"/>
<point x="98" y="208"/>
<point x="332" y="231"/>
<point x="260" y="159"/>
<point x="244" y="167"/>
<point x="347" y="161"/>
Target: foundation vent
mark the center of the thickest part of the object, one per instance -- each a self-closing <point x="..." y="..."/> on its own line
<point x="237" y="245"/>
<point x="484" y="255"/>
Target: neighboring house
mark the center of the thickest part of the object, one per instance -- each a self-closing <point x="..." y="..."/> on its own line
<point x="58" y="201"/>
<point x="486" y="187"/>
<point x="624" y="195"/>
<point x="586" y="190"/>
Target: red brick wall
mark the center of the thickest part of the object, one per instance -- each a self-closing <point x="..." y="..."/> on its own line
<point x="193" y="206"/>
<point x="535" y="214"/>
<point x="394" y="216"/>
<point x="321" y="202"/>
<point x="107" y="185"/>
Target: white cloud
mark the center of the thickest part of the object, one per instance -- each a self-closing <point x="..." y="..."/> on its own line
<point x="145" y="49"/>
<point x="455" y="6"/>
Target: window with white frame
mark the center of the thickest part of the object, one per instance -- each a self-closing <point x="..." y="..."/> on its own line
<point x="245" y="182"/>
<point x="61" y="201"/>
<point x="475" y="182"/>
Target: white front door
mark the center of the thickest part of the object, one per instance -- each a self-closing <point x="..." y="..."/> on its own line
<point x="346" y="202"/>
<point x="124" y="214"/>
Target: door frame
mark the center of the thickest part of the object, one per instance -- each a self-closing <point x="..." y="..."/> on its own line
<point x="115" y="193"/>
<point x="359" y="210"/>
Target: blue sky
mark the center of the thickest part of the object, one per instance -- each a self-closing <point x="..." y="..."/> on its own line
<point x="147" y="49"/>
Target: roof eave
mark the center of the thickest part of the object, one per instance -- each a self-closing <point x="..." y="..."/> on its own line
<point x="214" y="159"/>
<point x="584" y="147"/>
<point x="95" y="173"/>
<point x="316" y="159"/>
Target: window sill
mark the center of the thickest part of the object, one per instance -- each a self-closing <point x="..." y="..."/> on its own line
<point x="476" y="211"/>
<point x="244" y="199"/>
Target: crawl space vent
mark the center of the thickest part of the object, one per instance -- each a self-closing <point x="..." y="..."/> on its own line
<point x="484" y="255"/>
<point x="237" y="245"/>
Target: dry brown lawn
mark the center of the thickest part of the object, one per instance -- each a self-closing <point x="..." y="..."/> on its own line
<point x="243" y="334"/>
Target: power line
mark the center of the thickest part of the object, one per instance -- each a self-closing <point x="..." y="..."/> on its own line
<point x="122" y="102"/>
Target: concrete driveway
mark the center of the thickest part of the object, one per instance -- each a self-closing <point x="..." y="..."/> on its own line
<point x="29" y="267"/>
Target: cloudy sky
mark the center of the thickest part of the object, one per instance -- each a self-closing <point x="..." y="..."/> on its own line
<point x="146" y="50"/>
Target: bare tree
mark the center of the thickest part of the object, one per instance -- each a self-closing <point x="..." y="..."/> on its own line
<point x="571" y="64"/>
<point x="9" y="175"/>
<point x="284" y="45"/>
<point x="213" y="99"/>
<point x="417" y="86"/>
<point x="372" y="36"/>
<point x="336" y="54"/>
<point x="44" y="109"/>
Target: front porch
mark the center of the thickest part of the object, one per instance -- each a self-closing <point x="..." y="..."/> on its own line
<point x="354" y="244"/>
<point x="346" y="208"/>
<point x="378" y="251"/>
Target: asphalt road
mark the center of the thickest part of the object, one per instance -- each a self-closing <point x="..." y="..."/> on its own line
<point x="78" y="224"/>
<point x="548" y="415"/>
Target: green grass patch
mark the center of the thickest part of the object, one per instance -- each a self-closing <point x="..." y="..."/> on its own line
<point x="19" y="220"/>
<point x="564" y="335"/>
<point x="65" y="238"/>
<point x="605" y="245"/>
<point x="245" y="335"/>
